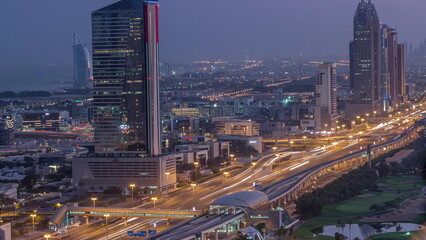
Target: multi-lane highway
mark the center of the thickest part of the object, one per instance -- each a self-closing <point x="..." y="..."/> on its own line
<point x="243" y="179"/>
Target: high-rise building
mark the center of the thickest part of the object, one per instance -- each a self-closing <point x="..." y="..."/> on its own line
<point x="365" y="57"/>
<point x="393" y="66"/>
<point x="126" y="102"/>
<point x="125" y="70"/>
<point x="385" y="82"/>
<point x="400" y="81"/>
<point x="325" y="97"/>
<point x="82" y="64"/>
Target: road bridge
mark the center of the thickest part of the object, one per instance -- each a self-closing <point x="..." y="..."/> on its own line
<point x="64" y="215"/>
<point x="223" y="218"/>
<point x="286" y="190"/>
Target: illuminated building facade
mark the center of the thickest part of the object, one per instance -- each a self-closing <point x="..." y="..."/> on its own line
<point x="365" y="56"/>
<point x="126" y="102"/>
<point x="125" y="70"/>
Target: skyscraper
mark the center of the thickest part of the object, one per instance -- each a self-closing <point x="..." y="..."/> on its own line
<point x="385" y="82"/>
<point x="325" y="96"/>
<point x="82" y="64"/>
<point x="126" y="102"/>
<point x="400" y="81"/>
<point x="393" y="66"/>
<point x="125" y="69"/>
<point x="365" y="57"/>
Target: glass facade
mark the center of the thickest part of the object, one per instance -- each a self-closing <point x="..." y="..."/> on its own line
<point x="125" y="70"/>
<point x="365" y="54"/>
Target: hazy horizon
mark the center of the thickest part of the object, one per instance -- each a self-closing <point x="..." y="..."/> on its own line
<point x="37" y="35"/>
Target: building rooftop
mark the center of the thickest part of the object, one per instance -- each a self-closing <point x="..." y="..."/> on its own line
<point x="246" y="199"/>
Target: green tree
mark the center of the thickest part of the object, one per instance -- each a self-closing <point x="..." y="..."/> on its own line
<point x="339" y="236"/>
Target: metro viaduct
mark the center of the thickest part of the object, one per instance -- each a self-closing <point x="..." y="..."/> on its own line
<point x="288" y="189"/>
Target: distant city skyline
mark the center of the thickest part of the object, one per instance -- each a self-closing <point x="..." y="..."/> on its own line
<point x="39" y="43"/>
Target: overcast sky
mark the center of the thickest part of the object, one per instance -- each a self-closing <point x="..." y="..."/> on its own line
<point x="36" y="33"/>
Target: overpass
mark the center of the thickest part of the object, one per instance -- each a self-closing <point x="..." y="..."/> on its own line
<point x="277" y="194"/>
<point x="231" y="212"/>
<point x="287" y="189"/>
<point x="64" y="215"/>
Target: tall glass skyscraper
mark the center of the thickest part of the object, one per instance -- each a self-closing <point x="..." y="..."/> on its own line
<point x="125" y="70"/>
<point x="365" y="56"/>
<point x="82" y="64"/>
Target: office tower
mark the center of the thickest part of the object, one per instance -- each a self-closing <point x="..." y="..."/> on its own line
<point x="126" y="102"/>
<point x="82" y="64"/>
<point x="394" y="65"/>
<point x="365" y="58"/>
<point x="400" y="81"/>
<point x="325" y="97"/>
<point x="125" y="69"/>
<point x="385" y="82"/>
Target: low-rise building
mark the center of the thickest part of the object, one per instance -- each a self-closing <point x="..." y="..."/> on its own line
<point x="5" y="231"/>
<point x="6" y="133"/>
<point x="254" y="141"/>
<point x="9" y="190"/>
<point x="157" y="172"/>
<point x="237" y="127"/>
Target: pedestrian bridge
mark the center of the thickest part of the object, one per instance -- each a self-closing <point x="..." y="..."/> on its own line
<point x="63" y="216"/>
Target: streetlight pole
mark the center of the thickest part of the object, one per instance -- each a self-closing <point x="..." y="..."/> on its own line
<point x="226" y="174"/>
<point x="154" y="199"/>
<point x="47" y="236"/>
<point x="33" y="216"/>
<point x="196" y="170"/>
<point x="94" y="201"/>
<point x="106" y="223"/>
<point x="132" y="186"/>
<point x="193" y="187"/>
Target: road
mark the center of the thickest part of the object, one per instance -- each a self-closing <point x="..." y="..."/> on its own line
<point x="242" y="179"/>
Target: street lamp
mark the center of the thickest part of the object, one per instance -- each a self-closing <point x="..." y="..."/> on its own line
<point x="94" y="201"/>
<point x="193" y="187"/>
<point x="106" y="223"/>
<point x="33" y="216"/>
<point x="167" y="175"/>
<point x="106" y="219"/>
<point x="275" y="149"/>
<point x="132" y="186"/>
<point x="154" y="199"/>
<point x="226" y="174"/>
<point x="196" y="170"/>
<point x="232" y="157"/>
<point x="47" y="236"/>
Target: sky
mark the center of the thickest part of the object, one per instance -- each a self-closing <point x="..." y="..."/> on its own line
<point x="36" y="35"/>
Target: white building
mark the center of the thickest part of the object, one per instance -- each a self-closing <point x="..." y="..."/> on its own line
<point x="325" y="97"/>
<point x="6" y="231"/>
